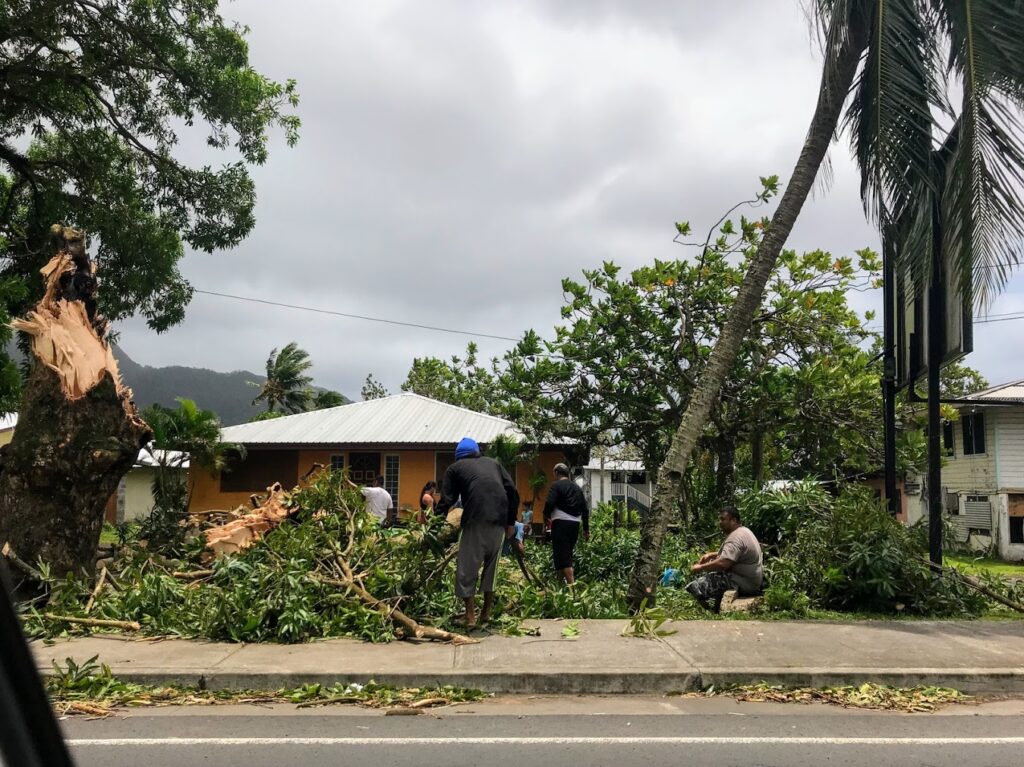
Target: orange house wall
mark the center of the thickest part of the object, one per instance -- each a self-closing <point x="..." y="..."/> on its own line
<point x="416" y="468"/>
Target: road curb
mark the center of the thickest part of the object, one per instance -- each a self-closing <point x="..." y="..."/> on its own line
<point x="607" y="682"/>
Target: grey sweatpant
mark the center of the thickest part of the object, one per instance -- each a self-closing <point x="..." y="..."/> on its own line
<point x="479" y="546"/>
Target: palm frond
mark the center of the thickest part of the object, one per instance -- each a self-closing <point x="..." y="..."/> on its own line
<point x="890" y="115"/>
<point x="983" y="205"/>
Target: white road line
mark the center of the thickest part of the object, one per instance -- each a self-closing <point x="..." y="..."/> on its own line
<point x="555" y="741"/>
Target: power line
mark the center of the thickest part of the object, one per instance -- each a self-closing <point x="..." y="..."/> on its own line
<point x="355" y="316"/>
<point x="1009" y="317"/>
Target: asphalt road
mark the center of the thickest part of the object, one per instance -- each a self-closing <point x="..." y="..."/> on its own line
<point x="517" y="732"/>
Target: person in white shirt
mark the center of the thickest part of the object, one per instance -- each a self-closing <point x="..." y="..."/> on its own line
<point x="378" y="500"/>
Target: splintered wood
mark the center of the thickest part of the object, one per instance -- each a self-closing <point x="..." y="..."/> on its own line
<point x="65" y="339"/>
<point x="238" y="534"/>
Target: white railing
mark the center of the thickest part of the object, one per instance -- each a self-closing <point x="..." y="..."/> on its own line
<point x="631" y="492"/>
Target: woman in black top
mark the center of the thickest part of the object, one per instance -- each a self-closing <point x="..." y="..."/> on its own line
<point x="567" y="509"/>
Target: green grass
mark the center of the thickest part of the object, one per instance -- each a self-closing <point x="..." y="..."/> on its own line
<point x="109" y="534"/>
<point x="973" y="565"/>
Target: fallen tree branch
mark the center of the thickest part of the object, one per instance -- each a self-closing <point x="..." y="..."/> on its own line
<point x="100" y="582"/>
<point x="98" y="622"/>
<point x="429" y="702"/>
<point x="22" y="565"/>
<point x="396" y="616"/>
<point x="978" y="586"/>
<point x="527" y="572"/>
<point x="192" y="575"/>
<point x="328" y="701"/>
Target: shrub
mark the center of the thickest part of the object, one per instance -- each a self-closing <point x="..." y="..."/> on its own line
<point x="852" y="555"/>
<point x="776" y="515"/>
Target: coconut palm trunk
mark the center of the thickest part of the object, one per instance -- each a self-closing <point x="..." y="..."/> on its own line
<point x="835" y="85"/>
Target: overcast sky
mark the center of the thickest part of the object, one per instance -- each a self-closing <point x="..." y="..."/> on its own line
<point x="458" y="158"/>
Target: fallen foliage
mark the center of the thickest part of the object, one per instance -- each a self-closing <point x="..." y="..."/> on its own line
<point x="868" y="695"/>
<point x="90" y="689"/>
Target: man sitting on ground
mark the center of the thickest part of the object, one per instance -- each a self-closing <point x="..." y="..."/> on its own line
<point x="737" y="565"/>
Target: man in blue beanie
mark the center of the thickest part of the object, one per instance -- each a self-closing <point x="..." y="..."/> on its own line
<point x="490" y="502"/>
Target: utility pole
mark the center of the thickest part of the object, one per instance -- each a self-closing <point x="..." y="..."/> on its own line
<point x="889" y="369"/>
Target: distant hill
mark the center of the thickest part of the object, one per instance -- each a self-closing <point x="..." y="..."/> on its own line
<point x="226" y="394"/>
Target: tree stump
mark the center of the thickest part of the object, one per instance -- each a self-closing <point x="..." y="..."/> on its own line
<point x="78" y="432"/>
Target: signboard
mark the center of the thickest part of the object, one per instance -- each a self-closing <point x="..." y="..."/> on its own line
<point x="911" y="298"/>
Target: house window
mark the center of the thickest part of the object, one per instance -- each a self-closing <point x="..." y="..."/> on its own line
<point x="1016" y="529"/>
<point x="391" y="470"/>
<point x="947" y="439"/>
<point x="337" y="463"/>
<point x="973" y="426"/>
<point x="363" y="467"/>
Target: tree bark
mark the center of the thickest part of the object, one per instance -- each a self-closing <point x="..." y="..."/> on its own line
<point x="78" y="432"/>
<point x="835" y="85"/>
<point x="757" y="458"/>
<point x="725" y="473"/>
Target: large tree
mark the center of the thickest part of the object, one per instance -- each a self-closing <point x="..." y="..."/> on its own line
<point x="623" y="365"/>
<point x="95" y="97"/>
<point x="915" y="53"/>
<point x="461" y="381"/>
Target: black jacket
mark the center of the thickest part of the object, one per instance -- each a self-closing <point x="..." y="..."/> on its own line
<point x="489" y="495"/>
<point x="566" y="495"/>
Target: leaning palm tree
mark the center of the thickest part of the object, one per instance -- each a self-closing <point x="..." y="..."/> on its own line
<point x="287" y="386"/>
<point x="911" y="50"/>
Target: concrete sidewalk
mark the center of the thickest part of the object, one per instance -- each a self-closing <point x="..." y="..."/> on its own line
<point x="974" y="656"/>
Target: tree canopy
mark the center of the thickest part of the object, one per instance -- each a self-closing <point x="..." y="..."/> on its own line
<point x="97" y="99"/>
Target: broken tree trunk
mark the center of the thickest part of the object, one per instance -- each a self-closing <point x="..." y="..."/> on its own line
<point x="78" y="432"/>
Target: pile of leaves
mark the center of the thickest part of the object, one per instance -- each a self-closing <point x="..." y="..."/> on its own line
<point x="90" y="689"/>
<point x="872" y="696"/>
<point x="330" y="570"/>
<point x="846" y="553"/>
<point x="294" y="583"/>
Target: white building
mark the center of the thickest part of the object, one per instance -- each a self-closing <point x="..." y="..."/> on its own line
<point x="983" y="472"/>
<point x="616" y="480"/>
<point x="133" y="498"/>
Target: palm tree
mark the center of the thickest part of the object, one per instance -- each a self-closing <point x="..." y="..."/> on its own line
<point x="287" y="385"/>
<point x="326" y="398"/>
<point x="911" y="49"/>
<point x="187" y="433"/>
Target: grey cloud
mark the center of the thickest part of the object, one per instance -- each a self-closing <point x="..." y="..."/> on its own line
<point x="458" y="159"/>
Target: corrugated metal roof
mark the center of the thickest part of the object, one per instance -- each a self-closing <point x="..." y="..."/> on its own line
<point x="615" y="464"/>
<point x="403" y="419"/>
<point x="1007" y="391"/>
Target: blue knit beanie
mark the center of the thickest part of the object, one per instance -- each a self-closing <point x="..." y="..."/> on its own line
<point x="466" y="448"/>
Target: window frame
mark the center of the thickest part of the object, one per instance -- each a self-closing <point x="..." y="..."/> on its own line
<point x="969" y="427"/>
<point x="1016" y="523"/>
<point x="386" y="471"/>
<point x="948" y="439"/>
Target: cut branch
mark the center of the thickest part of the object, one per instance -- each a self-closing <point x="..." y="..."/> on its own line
<point x="97" y="622"/>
